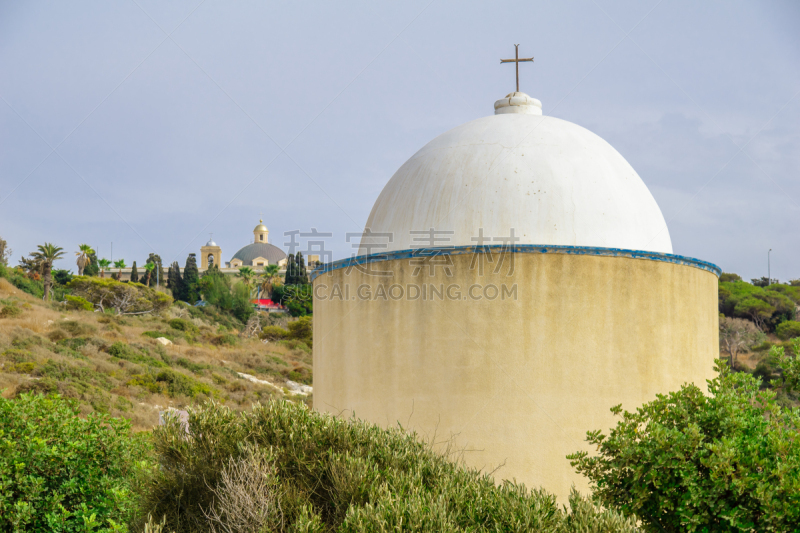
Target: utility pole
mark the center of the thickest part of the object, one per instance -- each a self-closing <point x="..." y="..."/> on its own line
<point x="769" y="275"/>
<point x="112" y="251"/>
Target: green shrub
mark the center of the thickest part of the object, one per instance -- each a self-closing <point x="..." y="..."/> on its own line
<point x="17" y="356"/>
<point x="10" y="311"/>
<point x="63" y="349"/>
<point x="146" y="381"/>
<point x="763" y="347"/>
<point x="75" y="328"/>
<point x="181" y="324"/>
<point x="191" y="366"/>
<point x="171" y="383"/>
<point x="21" y="368"/>
<point x="788" y="330"/>
<point x="158" y="334"/>
<point x="294" y="344"/>
<point x="122" y="350"/>
<point x="302" y="329"/>
<point x="179" y="385"/>
<point x="31" y="340"/>
<point x="225" y="340"/>
<point x="77" y="375"/>
<point x="77" y="343"/>
<point x="74" y="344"/>
<point x="301" y="375"/>
<point x="789" y="365"/>
<point x="312" y="472"/>
<point x="273" y="333"/>
<point x="60" y="471"/>
<point x="727" y="462"/>
<point x="76" y="303"/>
<point x="37" y="386"/>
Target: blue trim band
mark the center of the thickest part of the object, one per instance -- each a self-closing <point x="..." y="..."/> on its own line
<point x="519" y="248"/>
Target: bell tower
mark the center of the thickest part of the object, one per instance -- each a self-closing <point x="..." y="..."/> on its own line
<point x="261" y="233"/>
<point x="210" y="254"/>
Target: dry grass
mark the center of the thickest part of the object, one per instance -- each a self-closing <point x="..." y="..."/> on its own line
<point x="49" y="349"/>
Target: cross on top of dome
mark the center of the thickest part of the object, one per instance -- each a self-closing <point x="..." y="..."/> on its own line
<point x="517" y="61"/>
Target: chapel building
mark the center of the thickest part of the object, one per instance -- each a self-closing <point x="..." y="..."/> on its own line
<point x="516" y="279"/>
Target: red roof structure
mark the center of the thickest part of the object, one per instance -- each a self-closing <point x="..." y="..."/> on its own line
<point x="266" y="303"/>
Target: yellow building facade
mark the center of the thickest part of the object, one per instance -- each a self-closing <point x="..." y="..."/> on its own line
<point x="515" y="367"/>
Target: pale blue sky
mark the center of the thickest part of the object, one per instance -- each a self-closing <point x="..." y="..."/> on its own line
<point x="160" y="140"/>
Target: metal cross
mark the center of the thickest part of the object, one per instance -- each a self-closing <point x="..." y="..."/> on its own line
<point x="516" y="61"/>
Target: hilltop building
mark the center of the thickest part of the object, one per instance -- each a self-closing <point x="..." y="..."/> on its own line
<point x="257" y="255"/>
<point x="260" y="253"/>
<point x="515" y="281"/>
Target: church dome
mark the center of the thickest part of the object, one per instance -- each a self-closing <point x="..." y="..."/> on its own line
<point x="270" y="252"/>
<point x="550" y="181"/>
<point x="260" y="227"/>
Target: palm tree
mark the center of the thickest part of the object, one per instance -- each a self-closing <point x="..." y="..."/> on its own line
<point x="83" y="253"/>
<point x="46" y="254"/>
<point x="103" y="264"/>
<point x="120" y="265"/>
<point x="246" y="274"/>
<point x="148" y="267"/>
<point x="269" y="278"/>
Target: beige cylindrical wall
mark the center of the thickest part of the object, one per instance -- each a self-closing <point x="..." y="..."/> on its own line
<point x="517" y="378"/>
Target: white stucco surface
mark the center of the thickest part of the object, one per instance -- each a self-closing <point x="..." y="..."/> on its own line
<point x="553" y="182"/>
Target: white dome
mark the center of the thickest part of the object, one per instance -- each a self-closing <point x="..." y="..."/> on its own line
<point x="551" y="181"/>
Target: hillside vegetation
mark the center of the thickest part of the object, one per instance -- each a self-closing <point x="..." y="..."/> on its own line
<point x="758" y="322"/>
<point x="114" y="364"/>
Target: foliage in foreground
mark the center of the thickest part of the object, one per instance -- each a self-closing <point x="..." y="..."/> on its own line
<point x="690" y="462"/>
<point x="60" y="472"/>
<point x="281" y="467"/>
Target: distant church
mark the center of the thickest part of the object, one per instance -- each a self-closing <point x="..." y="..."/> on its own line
<point x="259" y="253"/>
<point x="255" y="255"/>
<point x="515" y="281"/>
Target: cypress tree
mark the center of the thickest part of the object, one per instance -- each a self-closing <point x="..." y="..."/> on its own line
<point x="134" y="274"/>
<point x="302" y="275"/>
<point x="191" y="278"/>
<point x="174" y="281"/>
<point x="291" y="268"/>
